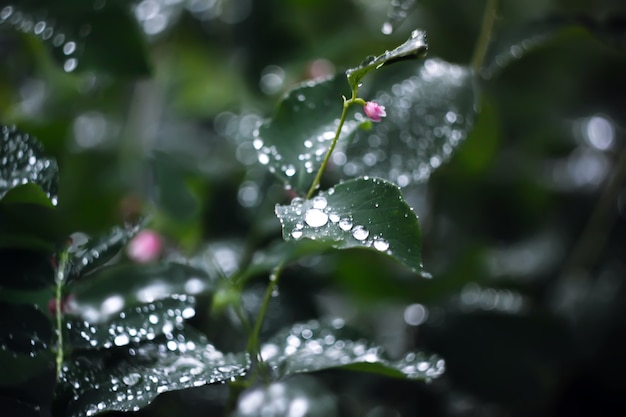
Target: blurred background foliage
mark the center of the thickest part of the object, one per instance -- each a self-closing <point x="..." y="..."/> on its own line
<point x="147" y="105"/>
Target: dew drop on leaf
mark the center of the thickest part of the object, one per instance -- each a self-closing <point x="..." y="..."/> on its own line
<point x="315" y="217"/>
<point x="360" y="232"/>
<point x="131" y="379"/>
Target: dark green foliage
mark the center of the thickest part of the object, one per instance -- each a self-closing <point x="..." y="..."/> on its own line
<point x="503" y="177"/>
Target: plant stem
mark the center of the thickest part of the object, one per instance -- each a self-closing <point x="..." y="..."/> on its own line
<point x="60" y="280"/>
<point x="253" y="342"/>
<point x="344" y="114"/>
<point x="489" y="18"/>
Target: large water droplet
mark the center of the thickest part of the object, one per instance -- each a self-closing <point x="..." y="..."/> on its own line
<point x="345" y="224"/>
<point x="360" y="232"/>
<point x="315" y="218"/>
<point x="381" y="244"/>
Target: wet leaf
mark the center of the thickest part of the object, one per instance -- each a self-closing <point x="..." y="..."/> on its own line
<point x="31" y="226"/>
<point x="294" y="142"/>
<point x="364" y="213"/>
<point x="131" y="325"/>
<point x="129" y="378"/>
<point x="109" y="291"/>
<point x="430" y="110"/>
<point x="80" y="35"/>
<point x="24" y="343"/>
<point x="297" y="396"/>
<point x="415" y="47"/>
<point x="27" y="193"/>
<point x="315" y="346"/>
<point x="22" y="161"/>
<point x="97" y="251"/>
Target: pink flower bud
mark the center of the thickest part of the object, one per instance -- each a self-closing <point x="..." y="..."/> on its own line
<point x="374" y="111"/>
<point x="145" y="247"/>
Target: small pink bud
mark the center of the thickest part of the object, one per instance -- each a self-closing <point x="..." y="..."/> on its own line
<point x="145" y="247"/>
<point x="374" y="111"/>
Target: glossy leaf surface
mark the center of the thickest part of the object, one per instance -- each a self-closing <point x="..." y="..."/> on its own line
<point x="293" y="143"/>
<point x="22" y="161"/>
<point x="415" y="47"/>
<point x="430" y="110"/>
<point x="132" y="325"/>
<point x="108" y="292"/>
<point x="129" y="378"/>
<point x="24" y="343"/>
<point x="96" y="251"/>
<point x="315" y="346"/>
<point x="365" y="212"/>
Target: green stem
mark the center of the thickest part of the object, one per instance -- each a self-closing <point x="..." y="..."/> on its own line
<point x="344" y="114"/>
<point x="489" y="18"/>
<point x="253" y="342"/>
<point x="60" y="280"/>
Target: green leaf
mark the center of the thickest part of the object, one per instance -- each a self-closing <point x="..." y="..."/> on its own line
<point x="415" y="47"/>
<point x="129" y="378"/>
<point x="293" y="143"/>
<point x="24" y="343"/>
<point x="365" y="212"/>
<point x="22" y="161"/>
<point x="316" y="346"/>
<point x="132" y="324"/>
<point x="27" y="193"/>
<point x="31" y="226"/>
<point x="85" y="36"/>
<point x="97" y="251"/>
<point x="106" y="293"/>
<point x="430" y="110"/>
<point x="297" y="396"/>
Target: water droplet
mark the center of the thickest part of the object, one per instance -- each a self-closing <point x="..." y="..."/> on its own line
<point x="290" y="170"/>
<point x="131" y="379"/>
<point x="315" y="218"/>
<point x="387" y="28"/>
<point x="296" y="234"/>
<point x="360" y="232"/>
<point x="381" y="244"/>
<point x="345" y="224"/>
<point x="319" y="202"/>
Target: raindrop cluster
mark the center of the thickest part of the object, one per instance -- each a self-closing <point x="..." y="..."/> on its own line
<point x="24" y="22"/>
<point x="87" y="251"/>
<point x="317" y="220"/>
<point x="22" y="162"/>
<point x="314" y="345"/>
<point x="134" y="325"/>
<point x="183" y="360"/>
